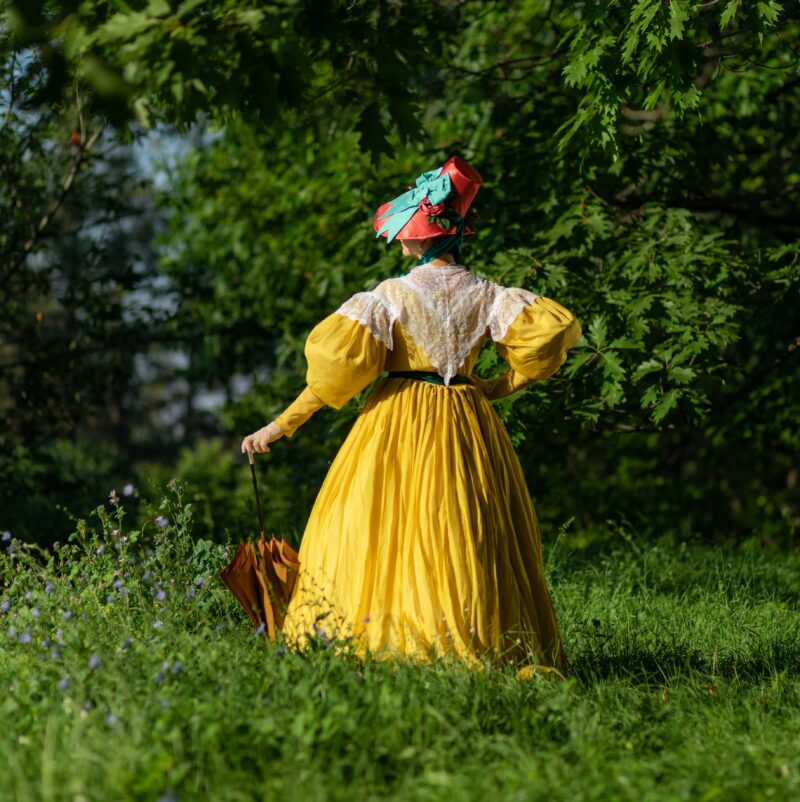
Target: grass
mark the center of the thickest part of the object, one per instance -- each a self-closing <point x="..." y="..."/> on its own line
<point x="686" y="685"/>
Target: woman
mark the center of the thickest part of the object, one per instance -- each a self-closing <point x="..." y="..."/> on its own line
<point x="423" y="537"/>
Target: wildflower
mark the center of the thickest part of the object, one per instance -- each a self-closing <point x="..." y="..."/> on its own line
<point x="6" y="535"/>
<point x="94" y="662"/>
<point x="59" y="633"/>
<point x="11" y="549"/>
<point x="200" y="582"/>
<point x="45" y="643"/>
<point x="162" y="521"/>
<point x="157" y="624"/>
<point x="110" y="598"/>
<point x="159" y="677"/>
<point x="111" y="719"/>
<point x="164" y="704"/>
<point x="123" y="539"/>
<point x="165" y="664"/>
<point x="48" y="588"/>
<point x="127" y="490"/>
<point x="25" y="637"/>
<point x="113" y="497"/>
<point x="127" y="643"/>
<point x="5" y="606"/>
<point x="28" y="596"/>
<point x="116" y="546"/>
<point x="117" y="584"/>
<point x="280" y="650"/>
<point x="100" y="549"/>
<point x="189" y="558"/>
<point x="260" y="628"/>
<point x="161" y="595"/>
<point x="115" y="532"/>
<point x="176" y="667"/>
<point x="55" y="652"/>
<point x="12" y="632"/>
<point x="146" y="575"/>
<point x="63" y="682"/>
<point x="191" y="592"/>
<point x="35" y="612"/>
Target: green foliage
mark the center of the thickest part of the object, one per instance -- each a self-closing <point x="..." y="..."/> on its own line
<point x="680" y="654"/>
<point x="640" y="165"/>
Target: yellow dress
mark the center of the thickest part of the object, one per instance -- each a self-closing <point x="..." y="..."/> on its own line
<point x="423" y="537"/>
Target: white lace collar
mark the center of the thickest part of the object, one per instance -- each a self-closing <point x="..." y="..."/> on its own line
<point x="445" y="309"/>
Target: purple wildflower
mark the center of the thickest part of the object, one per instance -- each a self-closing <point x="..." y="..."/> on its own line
<point x="48" y="588"/>
<point x="111" y="719"/>
<point x="117" y="584"/>
<point x="5" y="606"/>
<point x="160" y="676"/>
<point x="146" y="575"/>
<point x="200" y="582"/>
<point x="28" y="596"/>
<point x="176" y="667"/>
<point x="35" y="612"/>
<point x="157" y="624"/>
<point x="6" y="535"/>
<point x="25" y="637"/>
<point x="162" y="521"/>
<point x="260" y="628"/>
<point x="63" y="682"/>
<point x="127" y="643"/>
<point x="55" y="652"/>
<point x="127" y="490"/>
<point x="94" y="662"/>
<point x="12" y="632"/>
<point x="110" y="598"/>
<point x="191" y="592"/>
<point x="161" y="595"/>
<point x="11" y="549"/>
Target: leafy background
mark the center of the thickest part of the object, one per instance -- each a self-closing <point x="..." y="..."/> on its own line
<point x="189" y="187"/>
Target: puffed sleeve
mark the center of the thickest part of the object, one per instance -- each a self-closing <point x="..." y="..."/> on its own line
<point x="347" y="350"/>
<point x="536" y="341"/>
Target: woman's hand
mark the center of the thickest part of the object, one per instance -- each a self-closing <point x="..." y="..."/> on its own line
<point x="259" y="441"/>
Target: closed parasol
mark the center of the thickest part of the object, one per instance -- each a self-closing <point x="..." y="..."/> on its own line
<point x="262" y="575"/>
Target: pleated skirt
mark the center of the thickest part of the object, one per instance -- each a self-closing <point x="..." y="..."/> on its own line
<point x="423" y="539"/>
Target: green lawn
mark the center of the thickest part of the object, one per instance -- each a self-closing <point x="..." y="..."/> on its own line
<point x="686" y="686"/>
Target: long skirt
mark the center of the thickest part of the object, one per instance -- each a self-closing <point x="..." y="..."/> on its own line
<point x="423" y="539"/>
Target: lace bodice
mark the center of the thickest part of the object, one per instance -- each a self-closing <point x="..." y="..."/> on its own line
<point x="444" y="309"/>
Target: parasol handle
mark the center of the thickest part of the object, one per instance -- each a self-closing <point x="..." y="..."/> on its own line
<point x="255" y="487"/>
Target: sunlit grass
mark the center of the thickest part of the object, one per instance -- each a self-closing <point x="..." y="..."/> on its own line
<point x="130" y="672"/>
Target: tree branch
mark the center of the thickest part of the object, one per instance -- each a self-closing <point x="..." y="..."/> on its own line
<point x="54" y="207"/>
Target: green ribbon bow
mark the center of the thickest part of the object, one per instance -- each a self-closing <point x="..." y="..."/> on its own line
<point x="430" y="185"/>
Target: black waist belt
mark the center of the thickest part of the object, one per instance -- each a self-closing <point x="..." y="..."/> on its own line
<point x="426" y="375"/>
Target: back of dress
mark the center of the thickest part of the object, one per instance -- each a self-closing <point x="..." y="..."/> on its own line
<point x="423" y="535"/>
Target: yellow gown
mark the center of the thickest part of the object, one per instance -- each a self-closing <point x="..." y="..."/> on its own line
<point x="423" y="538"/>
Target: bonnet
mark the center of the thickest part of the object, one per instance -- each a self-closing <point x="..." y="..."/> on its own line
<point x="435" y="207"/>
